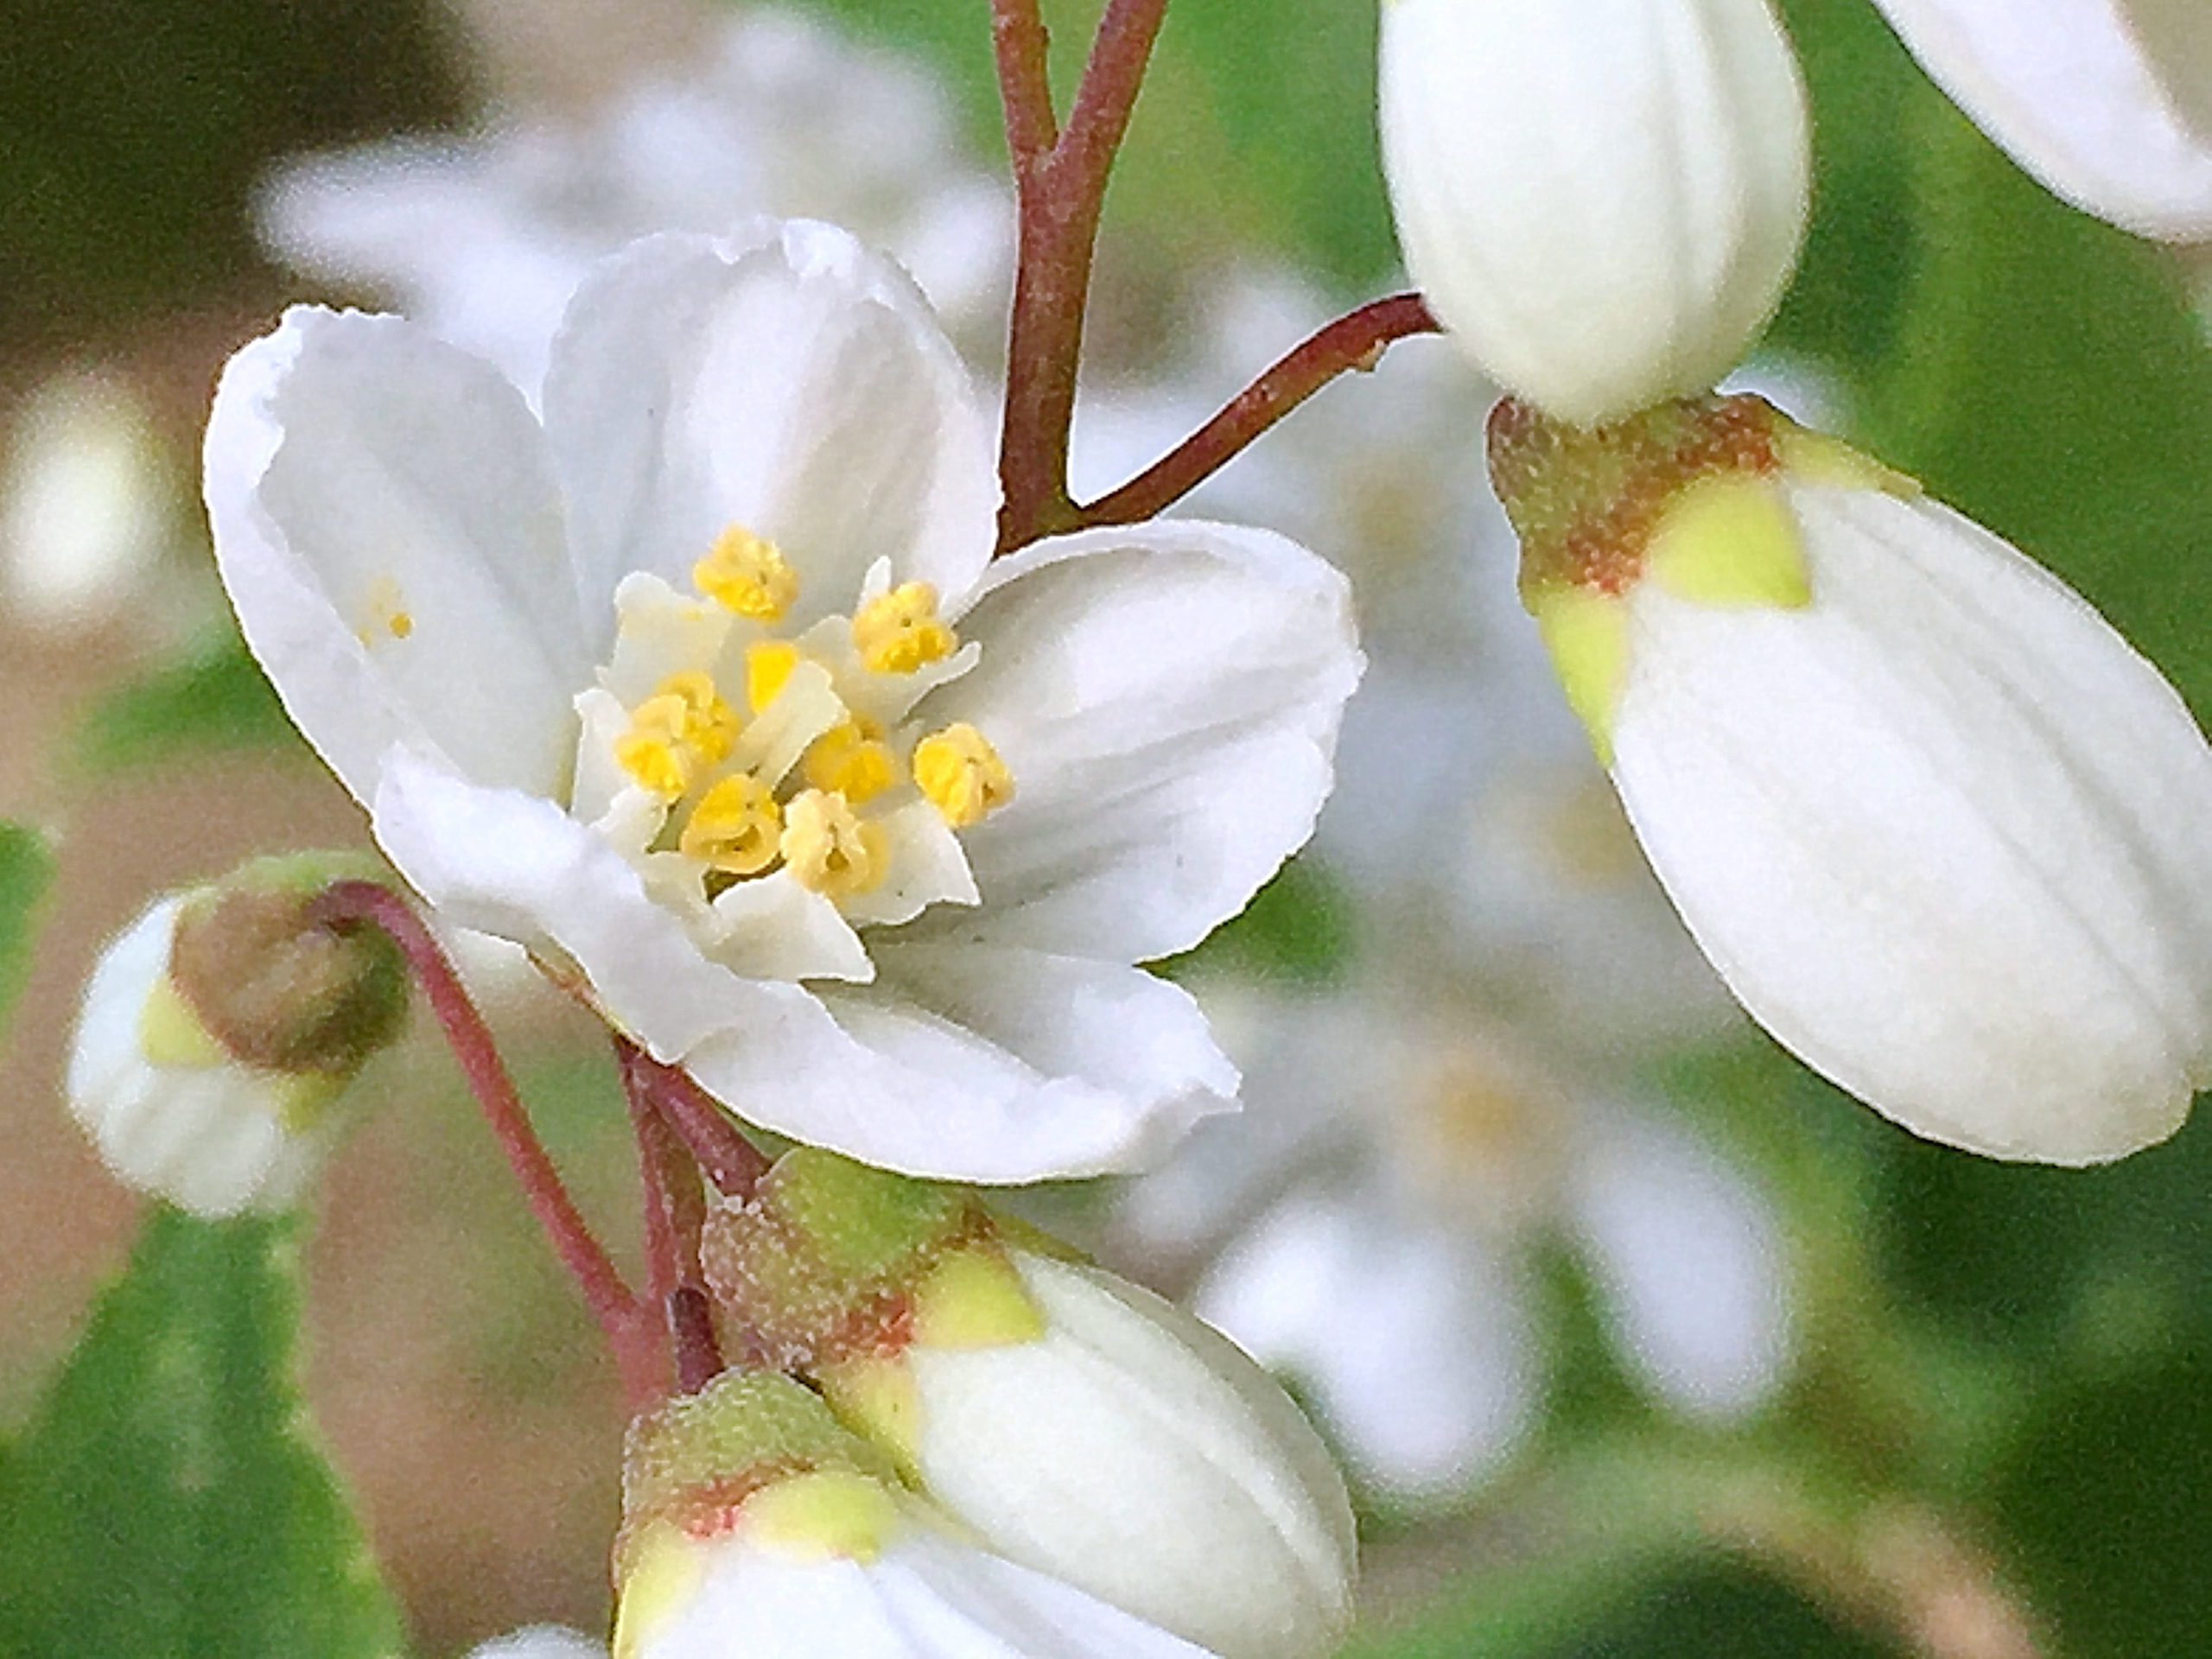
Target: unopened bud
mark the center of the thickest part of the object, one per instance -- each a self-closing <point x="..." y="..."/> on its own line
<point x="219" y="1032"/>
<point x="1938" y="826"/>
<point x="1073" y="1422"/>
<point x="755" y="1527"/>
<point x="1601" y="202"/>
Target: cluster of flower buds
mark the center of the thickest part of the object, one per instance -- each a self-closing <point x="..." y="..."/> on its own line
<point x="1929" y="815"/>
<point x="953" y="1430"/>
<point x="222" y="1034"/>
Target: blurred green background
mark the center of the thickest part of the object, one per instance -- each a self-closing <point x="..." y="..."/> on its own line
<point x="2024" y="1354"/>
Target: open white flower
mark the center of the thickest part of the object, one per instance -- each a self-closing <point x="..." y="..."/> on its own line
<point x="2107" y="102"/>
<point x="1937" y="825"/>
<point x="708" y="692"/>
<point x="482" y="240"/>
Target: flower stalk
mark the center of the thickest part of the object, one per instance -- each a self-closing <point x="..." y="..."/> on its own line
<point x="1059" y="178"/>
<point x="345" y="905"/>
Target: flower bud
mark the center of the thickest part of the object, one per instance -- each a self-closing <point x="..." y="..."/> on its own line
<point x="1938" y="826"/>
<point x="1602" y="201"/>
<point x="753" y="1527"/>
<point x="219" y="1032"/>
<point x="1074" y="1423"/>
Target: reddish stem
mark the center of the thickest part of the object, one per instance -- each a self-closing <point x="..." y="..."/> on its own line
<point x="675" y="1213"/>
<point x="1060" y="192"/>
<point x="732" y="1162"/>
<point x="355" y="904"/>
<point x="1355" y="341"/>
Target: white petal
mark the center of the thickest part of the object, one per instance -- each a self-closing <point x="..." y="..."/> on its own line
<point x="1690" y="1264"/>
<point x="1076" y="1068"/>
<point x="541" y="1642"/>
<point x="925" y="1598"/>
<point x="518" y="867"/>
<point x="1939" y="831"/>
<point x="788" y="380"/>
<point x="1414" y="1345"/>
<point x="386" y="527"/>
<point x="1601" y="201"/>
<point x="1166" y="697"/>
<point x="775" y="928"/>
<point x="926" y="867"/>
<point x="2108" y="102"/>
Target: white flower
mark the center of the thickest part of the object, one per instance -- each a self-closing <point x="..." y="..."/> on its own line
<point x="1369" y="1227"/>
<point x="753" y="1529"/>
<point x="217" y="1036"/>
<point x="709" y="691"/>
<point x="483" y="241"/>
<point x="540" y="1642"/>
<point x="1601" y="201"/>
<point x="2107" y="102"/>
<point x="1066" y="1419"/>
<point x="1937" y="825"/>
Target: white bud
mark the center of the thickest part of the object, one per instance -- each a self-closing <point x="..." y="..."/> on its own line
<point x="218" y="1035"/>
<point x="2107" y="102"/>
<point x="1601" y="201"/>
<point x="754" y="1528"/>
<point x="1940" y="827"/>
<point x="1071" y="1422"/>
<point x="1085" y="1428"/>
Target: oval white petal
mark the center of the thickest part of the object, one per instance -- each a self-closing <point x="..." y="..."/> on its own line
<point x="1940" y="831"/>
<point x="1603" y="201"/>
<point x="789" y="380"/>
<point x="2107" y="102"/>
<point x="389" y="534"/>
<point x="1166" y="697"/>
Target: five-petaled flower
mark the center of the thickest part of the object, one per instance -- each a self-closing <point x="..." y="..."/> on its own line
<point x="707" y="690"/>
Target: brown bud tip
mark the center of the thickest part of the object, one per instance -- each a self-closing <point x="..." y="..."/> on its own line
<point x="280" y="991"/>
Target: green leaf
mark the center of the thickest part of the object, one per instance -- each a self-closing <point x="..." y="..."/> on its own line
<point x="165" y="1501"/>
<point x="220" y="700"/>
<point x="26" y="871"/>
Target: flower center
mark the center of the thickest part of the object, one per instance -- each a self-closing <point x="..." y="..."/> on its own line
<point x="721" y="747"/>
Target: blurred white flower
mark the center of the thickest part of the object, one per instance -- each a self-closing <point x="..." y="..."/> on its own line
<point x="483" y="240"/>
<point x="708" y="690"/>
<point x="540" y="1642"/>
<point x="85" y="514"/>
<point x="2107" y="102"/>
<point x="1370" y="1228"/>
<point x="1937" y="823"/>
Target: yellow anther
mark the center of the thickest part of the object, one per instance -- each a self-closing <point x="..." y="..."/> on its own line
<point x="710" y="725"/>
<point x="852" y="759"/>
<point x="767" y="666"/>
<point x="830" y="850"/>
<point x="747" y="575"/>
<point x="737" y="828"/>
<point x="400" y="624"/>
<point x="962" y="774"/>
<point x="654" y="750"/>
<point x="897" y="632"/>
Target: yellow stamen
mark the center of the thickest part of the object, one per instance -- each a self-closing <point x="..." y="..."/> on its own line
<point x="737" y="826"/>
<point x="962" y="774"/>
<point x="830" y="850"/>
<point x="851" y="760"/>
<point x="767" y="666"/>
<point x="653" y="751"/>
<point x="747" y="575"/>
<point x="710" y="725"/>
<point x="897" y="632"/>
